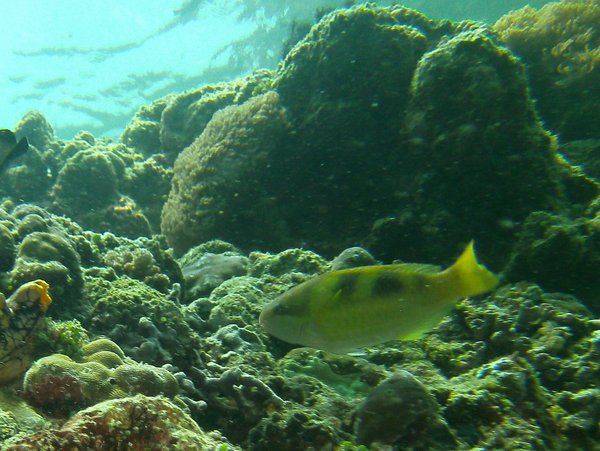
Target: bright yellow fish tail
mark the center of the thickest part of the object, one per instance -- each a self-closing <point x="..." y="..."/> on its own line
<point x="472" y="278"/>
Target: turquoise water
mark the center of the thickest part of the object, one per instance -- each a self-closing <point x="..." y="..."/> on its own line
<point x="90" y="66"/>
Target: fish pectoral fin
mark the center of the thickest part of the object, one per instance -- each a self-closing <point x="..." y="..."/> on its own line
<point x="415" y="335"/>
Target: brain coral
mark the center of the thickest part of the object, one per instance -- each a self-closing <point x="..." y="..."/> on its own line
<point x="58" y="385"/>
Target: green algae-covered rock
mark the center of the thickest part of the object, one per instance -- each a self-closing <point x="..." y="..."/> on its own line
<point x="146" y="323"/>
<point x="88" y="180"/>
<point x="149" y="182"/>
<point x="7" y="248"/>
<point x="468" y="144"/>
<point x="290" y="260"/>
<point x="560" y="253"/>
<point x="37" y="129"/>
<point x="373" y="122"/>
<point x="143" y="132"/>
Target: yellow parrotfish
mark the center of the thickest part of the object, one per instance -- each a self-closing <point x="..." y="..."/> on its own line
<point x="342" y="311"/>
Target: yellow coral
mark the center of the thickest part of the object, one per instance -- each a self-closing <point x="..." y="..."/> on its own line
<point x="563" y="35"/>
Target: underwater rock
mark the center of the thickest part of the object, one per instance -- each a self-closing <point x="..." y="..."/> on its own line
<point x="236" y="401"/>
<point x="27" y="178"/>
<point x="211" y="270"/>
<point x="172" y="123"/>
<point x="59" y="386"/>
<point x="87" y="189"/>
<point x="16" y="416"/>
<point x="285" y="262"/>
<point x="508" y="155"/>
<point x="350" y="377"/>
<point x="89" y="180"/>
<point x="235" y="301"/>
<point x="584" y="154"/>
<point x="153" y="173"/>
<point x="21" y="319"/>
<point x="139" y="422"/>
<point x="561" y="50"/>
<point x="365" y="134"/>
<point x="137" y="263"/>
<point x="146" y="259"/>
<point x="296" y="430"/>
<point x="401" y="410"/>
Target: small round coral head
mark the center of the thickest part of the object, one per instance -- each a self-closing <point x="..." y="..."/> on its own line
<point x="41" y="287"/>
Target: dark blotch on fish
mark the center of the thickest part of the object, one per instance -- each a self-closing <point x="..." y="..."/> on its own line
<point x="346" y="283"/>
<point x="291" y="310"/>
<point x="387" y="285"/>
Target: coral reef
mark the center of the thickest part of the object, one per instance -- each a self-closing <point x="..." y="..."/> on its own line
<point x="505" y="150"/>
<point x="51" y="257"/>
<point x="172" y="123"/>
<point x="383" y="129"/>
<point x="398" y="124"/>
<point x="87" y="189"/>
<point x="204" y="271"/>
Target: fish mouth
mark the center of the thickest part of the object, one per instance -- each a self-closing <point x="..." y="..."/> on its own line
<point x="262" y="319"/>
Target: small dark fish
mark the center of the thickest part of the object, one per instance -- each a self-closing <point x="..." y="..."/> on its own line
<point x="10" y="149"/>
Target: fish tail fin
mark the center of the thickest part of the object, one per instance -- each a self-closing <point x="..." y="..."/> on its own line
<point x="472" y="277"/>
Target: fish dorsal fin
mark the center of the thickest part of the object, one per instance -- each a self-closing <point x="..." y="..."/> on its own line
<point x="422" y="268"/>
<point x="21" y="147"/>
